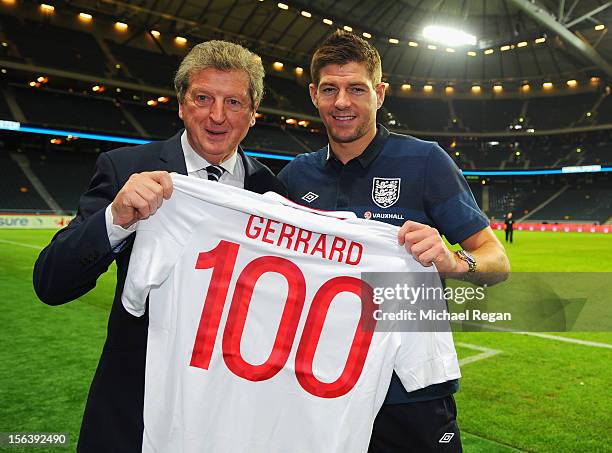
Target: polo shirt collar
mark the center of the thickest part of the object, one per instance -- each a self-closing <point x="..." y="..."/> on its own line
<point x="372" y="150"/>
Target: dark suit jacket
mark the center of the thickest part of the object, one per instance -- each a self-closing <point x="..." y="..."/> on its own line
<point x="69" y="267"/>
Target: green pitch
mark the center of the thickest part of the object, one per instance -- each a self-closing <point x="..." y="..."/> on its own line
<point x="527" y="393"/>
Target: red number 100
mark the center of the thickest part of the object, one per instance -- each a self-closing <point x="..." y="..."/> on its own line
<point x="222" y="260"/>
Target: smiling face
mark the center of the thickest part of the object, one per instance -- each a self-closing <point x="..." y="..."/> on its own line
<point x="347" y="101"/>
<point x="217" y="112"/>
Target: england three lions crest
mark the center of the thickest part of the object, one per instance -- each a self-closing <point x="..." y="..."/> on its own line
<point x="385" y="191"/>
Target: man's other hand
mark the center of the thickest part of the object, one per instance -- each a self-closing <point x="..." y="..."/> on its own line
<point x="140" y="197"/>
<point x="425" y="244"/>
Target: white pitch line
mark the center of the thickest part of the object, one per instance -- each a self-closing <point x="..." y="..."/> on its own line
<point x="594" y="344"/>
<point x="485" y="353"/>
<point x="37" y="247"/>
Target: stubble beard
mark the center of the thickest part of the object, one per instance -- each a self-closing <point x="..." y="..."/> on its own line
<point x="359" y="132"/>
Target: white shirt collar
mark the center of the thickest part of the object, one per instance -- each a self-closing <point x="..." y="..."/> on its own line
<point x="195" y="162"/>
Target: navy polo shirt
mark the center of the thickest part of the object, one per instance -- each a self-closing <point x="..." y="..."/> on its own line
<point x="397" y="178"/>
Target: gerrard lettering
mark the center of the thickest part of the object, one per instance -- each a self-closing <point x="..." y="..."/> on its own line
<point x="290" y="237"/>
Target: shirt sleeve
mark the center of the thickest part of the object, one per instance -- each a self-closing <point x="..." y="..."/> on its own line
<point x="426" y="358"/>
<point x="448" y="199"/>
<point x="426" y="354"/>
<point x="153" y="256"/>
<point x="116" y="233"/>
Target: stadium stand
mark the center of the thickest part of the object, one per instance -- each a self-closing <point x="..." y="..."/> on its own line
<point x="579" y="203"/>
<point x="604" y="112"/>
<point x="507" y="197"/>
<point x="8" y="50"/>
<point x="51" y="108"/>
<point x="5" y="112"/>
<point x="16" y="192"/>
<point x="288" y="94"/>
<point x="490" y="115"/>
<point x="515" y="162"/>
<point x="478" y="154"/>
<point x="419" y="114"/>
<point x="38" y="42"/>
<point x="65" y="174"/>
<point x="542" y="153"/>
<point x="559" y="111"/>
<point x="159" y="122"/>
<point x="536" y="152"/>
<point x="313" y="140"/>
<point x="477" y="189"/>
<point x="147" y="67"/>
<point x="599" y="154"/>
<point x="271" y="138"/>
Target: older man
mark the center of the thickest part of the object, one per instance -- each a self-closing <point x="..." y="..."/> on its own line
<point x="219" y="86"/>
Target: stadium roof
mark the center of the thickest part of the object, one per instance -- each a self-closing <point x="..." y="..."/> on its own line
<point x="506" y="32"/>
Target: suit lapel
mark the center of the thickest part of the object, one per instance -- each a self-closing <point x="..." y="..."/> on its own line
<point x="249" y="168"/>
<point x="172" y="154"/>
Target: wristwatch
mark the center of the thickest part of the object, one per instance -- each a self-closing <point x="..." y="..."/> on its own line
<point x="468" y="258"/>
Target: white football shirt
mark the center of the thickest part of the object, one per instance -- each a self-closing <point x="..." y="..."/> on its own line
<point x="256" y="341"/>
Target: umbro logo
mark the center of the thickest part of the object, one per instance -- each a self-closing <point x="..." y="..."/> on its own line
<point x="310" y="197"/>
<point x="446" y="438"/>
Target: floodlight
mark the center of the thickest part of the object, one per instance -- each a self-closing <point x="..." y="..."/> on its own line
<point x="448" y="36"/>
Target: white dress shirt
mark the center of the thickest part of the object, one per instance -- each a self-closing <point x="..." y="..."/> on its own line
<point x="196" y="166"/>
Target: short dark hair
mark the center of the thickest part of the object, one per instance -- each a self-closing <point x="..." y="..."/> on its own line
<point x="343" y="47"/>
